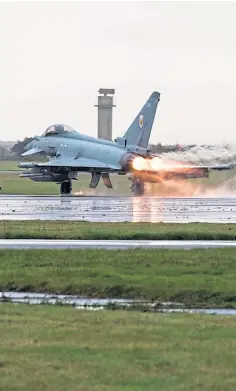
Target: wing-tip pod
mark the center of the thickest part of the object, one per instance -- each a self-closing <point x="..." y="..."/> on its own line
<point x="220" y="167"/>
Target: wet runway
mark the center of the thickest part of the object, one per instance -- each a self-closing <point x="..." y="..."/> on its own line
<point x="113" y="244"/>
<point x="118" y="209"/>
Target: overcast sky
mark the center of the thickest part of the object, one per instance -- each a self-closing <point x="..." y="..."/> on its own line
<point x="55" y="56"/>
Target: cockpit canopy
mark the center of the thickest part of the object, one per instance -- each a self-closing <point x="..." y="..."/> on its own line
<point x="57" y="129"/>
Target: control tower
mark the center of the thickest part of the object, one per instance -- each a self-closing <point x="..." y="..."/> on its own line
<point x="105" y="105"/>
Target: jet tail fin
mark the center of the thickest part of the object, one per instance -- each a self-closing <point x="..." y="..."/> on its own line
<point x="139" y="132"/>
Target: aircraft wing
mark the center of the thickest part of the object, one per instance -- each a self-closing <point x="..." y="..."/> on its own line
<point x="169" y="165"/>
<point x="80" y="164"/>
<point x="169" y="169"/>
<point x="217" y="167"/>
<point x="183" y="166"/>
<point x="192" y="171"/>
<point x="87" y="164"/>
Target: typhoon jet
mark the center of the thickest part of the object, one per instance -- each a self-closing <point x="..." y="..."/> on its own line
<point x="70" y="152"/>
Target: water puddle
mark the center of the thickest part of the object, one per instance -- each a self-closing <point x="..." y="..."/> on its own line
<point x="214" y="311"/>
<point x="71" y="300"/>
<point x="79" y="302"/>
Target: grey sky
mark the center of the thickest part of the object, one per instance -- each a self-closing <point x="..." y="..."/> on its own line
<point x="55" y="57"/>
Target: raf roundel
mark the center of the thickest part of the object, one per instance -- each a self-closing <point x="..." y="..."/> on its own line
<point x="140" y="121"/>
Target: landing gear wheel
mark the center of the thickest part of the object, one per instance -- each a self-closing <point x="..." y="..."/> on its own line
<point x="66" y="187"/>
<point x="138" y="188"/>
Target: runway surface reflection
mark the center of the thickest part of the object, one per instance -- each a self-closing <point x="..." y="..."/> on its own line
<point x="118" y="209"/>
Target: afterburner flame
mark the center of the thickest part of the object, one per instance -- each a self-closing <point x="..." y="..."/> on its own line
<point x="158" y="165"/>
<point x="139" y="163"/>
<point x="155" y="164"/>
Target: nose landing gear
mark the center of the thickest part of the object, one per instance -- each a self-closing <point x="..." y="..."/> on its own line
<point x="66" y="187"/>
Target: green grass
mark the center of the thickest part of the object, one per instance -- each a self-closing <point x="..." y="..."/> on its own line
<point x="54" y="348"/>
<point x="197" y="277"/>
<point x="9" y="165"/>
<point x="86" y="230"/>
<point x="12" y="184"/>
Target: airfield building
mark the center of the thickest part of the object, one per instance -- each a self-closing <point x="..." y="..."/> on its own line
<point x="105" y="106"/>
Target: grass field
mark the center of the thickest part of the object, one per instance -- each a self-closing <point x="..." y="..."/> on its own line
<point x="197" y="278"/>
<point x="13" y="164"/>
<point x="9" y="165"/>
<point x="12" y="184"/>
<point x="54" y="348"/>
<point x="86" y="230"/>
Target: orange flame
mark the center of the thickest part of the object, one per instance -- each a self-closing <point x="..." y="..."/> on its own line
<point x="139" y="163"/>
<point x="158" y="165"/>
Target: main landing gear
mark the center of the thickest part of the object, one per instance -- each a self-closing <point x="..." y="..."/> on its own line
<point x="66" y="187"/>
<point x="138" y="187"/>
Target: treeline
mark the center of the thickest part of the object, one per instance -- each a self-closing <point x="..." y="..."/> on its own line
<point x="159" y="148"/>
<point x="18" y="148"/>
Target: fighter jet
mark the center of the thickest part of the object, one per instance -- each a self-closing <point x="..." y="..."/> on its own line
<point x="70" y="152"/>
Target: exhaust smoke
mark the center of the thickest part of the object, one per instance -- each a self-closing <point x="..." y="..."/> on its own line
<point x="205" y="154"/>
<point x="219" y="184"/>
